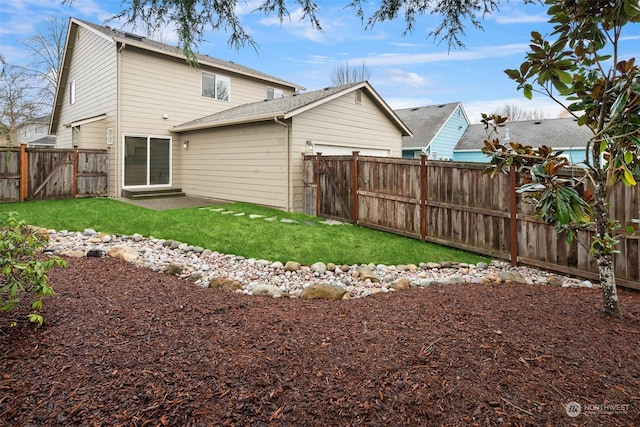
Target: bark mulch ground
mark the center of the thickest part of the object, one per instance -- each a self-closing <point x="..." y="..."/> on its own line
<point x="124" y="346"/>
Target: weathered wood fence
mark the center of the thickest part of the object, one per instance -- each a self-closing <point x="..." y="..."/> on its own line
<point x="46" y="173"/>
<point x="454" y="204"/>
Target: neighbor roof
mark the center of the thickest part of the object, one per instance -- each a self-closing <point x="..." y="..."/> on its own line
<point x="425" y="122"/>
<point x="556" y="133"/>
<point x="285" y="108"/>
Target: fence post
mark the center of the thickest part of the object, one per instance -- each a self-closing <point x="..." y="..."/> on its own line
<point x="24" y="173"/>
<point x="74" y="185"/>
<point x="423" y="197"/>
<point x="318" y="189"/>
<point x="513" y="215"/>
<point x="354" y="188"/>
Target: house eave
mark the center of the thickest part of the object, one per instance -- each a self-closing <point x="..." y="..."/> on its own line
<point x="223" y="123"/>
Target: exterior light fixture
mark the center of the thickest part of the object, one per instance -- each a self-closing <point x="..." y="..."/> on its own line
<point x="185" y="144"/>
<point x="309" y="147"/>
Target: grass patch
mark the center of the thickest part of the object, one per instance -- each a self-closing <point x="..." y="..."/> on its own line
<point x="307" y="240"/>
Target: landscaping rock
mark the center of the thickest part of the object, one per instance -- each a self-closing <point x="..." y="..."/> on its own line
<point x="225" y="284"/>
<point x="366" y="273"/>
<point x="292" y="266"/>
<point x="512" y="276"/>
<point x="268" y="290"/>
<point x="124" y="253"/>
<point x="322" y="291"/>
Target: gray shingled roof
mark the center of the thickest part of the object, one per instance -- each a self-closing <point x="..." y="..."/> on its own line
<point x="556" y="133"/>
<point x="149" y="44"/>
<point x="268" y="108"/>
<point x="425" y="122"/>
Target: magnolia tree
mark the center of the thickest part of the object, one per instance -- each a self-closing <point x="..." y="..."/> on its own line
<point x="581" y="68"/>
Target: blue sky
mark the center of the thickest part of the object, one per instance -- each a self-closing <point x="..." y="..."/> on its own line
<point x="407" y="71"/>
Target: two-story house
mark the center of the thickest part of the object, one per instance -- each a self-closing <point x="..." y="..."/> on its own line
<point x="216" y="129"/>
<point x="35" y="132"/>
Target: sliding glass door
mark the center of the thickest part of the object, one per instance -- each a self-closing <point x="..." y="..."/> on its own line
<point x="147" y="161"/>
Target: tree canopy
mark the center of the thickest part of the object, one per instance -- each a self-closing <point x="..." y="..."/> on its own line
<point x="192" y="18"/>
<point x="581" y="62"/>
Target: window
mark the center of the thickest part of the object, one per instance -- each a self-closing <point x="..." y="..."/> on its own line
<point x="358" y="96"/>
<point x="216" y="87"/>
<point x="109" y="136"/>
<point x="273" y="93"/>
<point x="75" y="136"/>
<point x="72" y="92"/>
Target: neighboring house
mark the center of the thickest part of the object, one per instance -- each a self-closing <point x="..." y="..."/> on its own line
<point x="170" y="124"/>
<point x="436" y="130"/>
<point x="36" y="132"/>
<point x="559" y="134"/>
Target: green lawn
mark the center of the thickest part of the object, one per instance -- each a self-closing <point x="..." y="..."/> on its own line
<point x="306" y="241"/>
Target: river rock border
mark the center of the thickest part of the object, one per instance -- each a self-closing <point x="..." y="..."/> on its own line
<point x="274" y="279"/>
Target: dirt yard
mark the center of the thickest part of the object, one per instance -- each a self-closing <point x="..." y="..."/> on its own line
<point x="124" y="346"/>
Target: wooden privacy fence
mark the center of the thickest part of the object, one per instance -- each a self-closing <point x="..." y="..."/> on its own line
<point x="47" y="173"/>
<point x="454" y="204"/>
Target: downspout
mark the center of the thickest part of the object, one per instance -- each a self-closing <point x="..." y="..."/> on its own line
<point x="119" y="143"/>
<point x="275" y="119"/>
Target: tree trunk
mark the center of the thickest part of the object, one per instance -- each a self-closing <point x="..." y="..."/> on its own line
<point x="608" y="283"/>
<point x="603" y="251"/>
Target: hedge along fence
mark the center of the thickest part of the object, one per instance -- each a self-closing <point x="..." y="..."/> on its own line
<point x="454" y="204"/>
<point x="48" y="173"/>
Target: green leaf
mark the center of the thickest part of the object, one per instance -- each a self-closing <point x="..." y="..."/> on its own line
<point x="564" y="77"/>
<point x="620" y="103"/>
<point x="603" y="146"/>
<point x="36" y="318"/>
<point x="628" y="178"/>
<point x="628" y="157"/>
<point x="36" y="304"/>
<point x="527" y="92"/>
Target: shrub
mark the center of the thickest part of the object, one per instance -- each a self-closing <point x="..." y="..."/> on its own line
<point x="21" y="270"/>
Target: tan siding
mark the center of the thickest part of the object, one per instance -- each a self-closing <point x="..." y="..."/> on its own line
<point x="93" y="67"/>
<point x="241" y="163"/>
<point x="344" y="123"/>
<point x="154" y="85"/>
<point x="94" y="135"/>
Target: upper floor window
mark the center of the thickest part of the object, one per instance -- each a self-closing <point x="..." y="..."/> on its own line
<point x="273" y="93"/>
<point x="72" y="92"/>
<point x="215" y="86"/>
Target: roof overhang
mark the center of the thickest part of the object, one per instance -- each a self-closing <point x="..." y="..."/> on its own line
<point x="85" y="121"/>
<point x="229" y="122"/>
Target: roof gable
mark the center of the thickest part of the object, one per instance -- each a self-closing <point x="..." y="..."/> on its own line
<point x="287" y="107"/>
<point x="556" y="133"/>
<point x="426" y="122"/>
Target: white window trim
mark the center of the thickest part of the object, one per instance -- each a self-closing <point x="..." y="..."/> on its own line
<point x="216" y="77"/>
<point x="72" y="92"/>
<point x="170" y="138"/>
<point x="277" y="93"/>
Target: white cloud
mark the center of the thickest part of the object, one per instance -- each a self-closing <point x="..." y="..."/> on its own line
<point x="397" y="75"/>
<point x="520" y="18"/>
<point x="297" y="25"/>
<point x="423" y="58"/>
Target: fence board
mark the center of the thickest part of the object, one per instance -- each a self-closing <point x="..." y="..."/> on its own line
<point x="461" y="207"/>
<point x="50" y="173"/>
